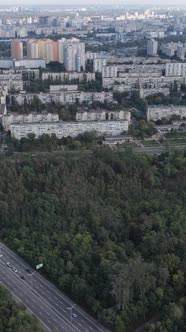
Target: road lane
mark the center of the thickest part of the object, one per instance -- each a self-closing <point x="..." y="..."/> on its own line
<point x="59" y="302"/>
<point x="37" y="305"/>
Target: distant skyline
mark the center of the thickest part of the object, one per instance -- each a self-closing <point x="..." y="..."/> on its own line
<point x="92" y="2"/>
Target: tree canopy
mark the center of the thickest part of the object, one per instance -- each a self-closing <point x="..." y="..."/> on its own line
<point x="13" y="316"/>
<point x="110" y="227"/>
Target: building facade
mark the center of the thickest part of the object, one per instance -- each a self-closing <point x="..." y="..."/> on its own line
<point x="68" y="77"/>
<point x="152" y="47"/>
<point x="16" y="49"/>
<point x="175" y="69"/>
<point x="155" y="113"/>
<point x="33" y="117"/>
<point x="64" y="97"/>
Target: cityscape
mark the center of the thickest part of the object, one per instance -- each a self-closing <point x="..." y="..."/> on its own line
<point x="92" y="166"/>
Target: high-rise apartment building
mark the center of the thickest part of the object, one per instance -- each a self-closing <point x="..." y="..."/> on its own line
<point x="51" y="51"/>
<point x="70" y="52"/>
<point x="16" y="49"/>
<point x="74" y="55"/>
<point x="181" y="51"/>
<point x="152" y="47"/>
<point x="43" y="48"/>
<point x="61" y="44"/>
<point x="32" y="49"/>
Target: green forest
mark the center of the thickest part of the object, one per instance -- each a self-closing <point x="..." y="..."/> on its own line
<point x="110" y="228"/>
<point x="13" y="316"/>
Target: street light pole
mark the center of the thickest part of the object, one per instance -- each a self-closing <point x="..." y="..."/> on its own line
<point x="38" y="266"/>
<point x="32" y="284"/>
<point x="31" y="278"/>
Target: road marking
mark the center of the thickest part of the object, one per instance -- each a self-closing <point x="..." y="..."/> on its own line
<point x="66" y="322"/>
<point x="20" y="261"/>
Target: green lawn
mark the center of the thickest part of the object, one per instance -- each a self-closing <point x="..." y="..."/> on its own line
<point x="176" y="140"/>
<point x="149" y="143"/>
<point x="176" y="135"/>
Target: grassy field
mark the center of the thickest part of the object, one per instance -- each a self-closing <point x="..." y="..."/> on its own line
<point x="176" y="141"/>
<point x="150" y="143"/>
<point x="176" y="135"/>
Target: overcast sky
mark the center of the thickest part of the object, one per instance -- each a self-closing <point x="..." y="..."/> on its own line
<point x="86" y="2"/>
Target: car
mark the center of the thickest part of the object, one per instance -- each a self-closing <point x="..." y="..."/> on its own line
<point x="22" y="277"/>
<point x="1" y="255"/>
<point x="28" y="271"/>
<point x="74" y="315"/>
<point x="8" y="264"/>
<point x="14" y="269"/>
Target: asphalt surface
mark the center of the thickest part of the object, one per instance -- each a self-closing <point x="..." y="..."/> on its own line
<point x="42" y="298"/>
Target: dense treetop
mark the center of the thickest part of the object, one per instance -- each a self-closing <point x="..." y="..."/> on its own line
<point x="110" y="227"/>
<point x="13" y="317"/>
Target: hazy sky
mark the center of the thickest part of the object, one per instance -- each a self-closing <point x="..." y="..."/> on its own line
<point x="86" y="2"/>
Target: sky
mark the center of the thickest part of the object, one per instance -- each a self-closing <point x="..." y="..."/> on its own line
<point x="91" y="2"/>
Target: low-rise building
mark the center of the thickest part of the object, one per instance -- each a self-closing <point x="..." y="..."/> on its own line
<point x="33" y="117"/>
<point x="155" y="113"/>
<point x="117" y="140"/>
<point x="146" y="92"/>
<point x="64" y="97"/>
<point x="66" y="128"/>
<point x="98" y="64"/>
<point x="11" y="80"/>
<point x="175" y="69"/>
<point x="109" y="71"/>
<point x="102" y="115"/>
<point x="22" y="63"/>
<point x="64" y="87"/>
<point x="68" y="77"/>
<point x="30" y="63"/>
<point x="104" y="122"/>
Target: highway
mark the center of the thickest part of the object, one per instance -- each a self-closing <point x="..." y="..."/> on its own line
<point x="42" y="298"/>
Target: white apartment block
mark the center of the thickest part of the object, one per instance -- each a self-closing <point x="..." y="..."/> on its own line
<point x="64" y="87"/>
<point x="33" y="117"/>
<point x="155" y="113"/>
<point x="110" y="123"/>
<point x="98" y="64"/>
<point x="103" y="115"/>
<point x="109" y="71"/>
<point x="175" y="69"/>
<point x="153" y="91"/>
<point x="65" y="128"/>
<point x="65" y="97"/>
<point x="153" y="69"/>
<point x="142" y="79"/>
<point x="169" y="49"/>
<point x="11" y="80"/>
<point x="172" y="49"/>
<point x="90" y="56"/>
<point x="28" y="63"/>
<point x="69" y="76"/>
